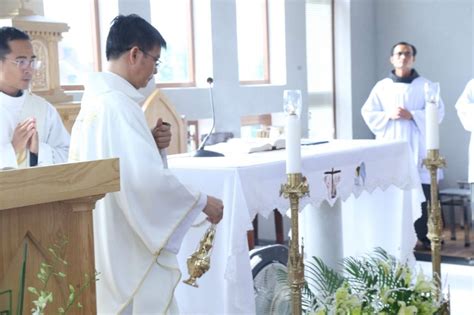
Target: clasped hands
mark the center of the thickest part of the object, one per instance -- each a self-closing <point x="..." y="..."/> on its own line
<point x="400" y="113"/>
<point x="25" y="136"/>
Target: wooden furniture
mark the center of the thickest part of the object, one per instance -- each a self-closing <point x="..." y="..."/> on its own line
<point x="68" y="113"/>
<point x="262" y="120"/>
<point x="158" y="106"/>
<point x="256" y="125"/>
<point x="458" y="196"/>
<point x="40" y="206"/>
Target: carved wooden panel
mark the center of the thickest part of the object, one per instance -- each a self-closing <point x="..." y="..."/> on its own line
<point x="41" y="226"/>
<point x="158" y="106"/>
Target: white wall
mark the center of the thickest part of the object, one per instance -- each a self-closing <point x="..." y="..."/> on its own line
<point x="364" y="32"/>
<point x="442" y="31"/>
<point x="355" y="58"/>
<point x="231" y="99"/>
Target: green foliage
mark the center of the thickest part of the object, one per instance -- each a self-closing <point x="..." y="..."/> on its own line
<point x="46" y="272"/>
<point x="372" y="284"/>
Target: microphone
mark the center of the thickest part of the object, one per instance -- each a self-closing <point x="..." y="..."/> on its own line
<point x="200" y="152"/>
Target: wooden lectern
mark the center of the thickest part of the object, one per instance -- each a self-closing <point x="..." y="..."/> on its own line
<point x="37" y="206"/>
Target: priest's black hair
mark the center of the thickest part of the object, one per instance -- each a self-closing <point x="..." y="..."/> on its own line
<point x="131" y="30"/>
<point x="413" y="48"/>
<point x="7" y="34"/>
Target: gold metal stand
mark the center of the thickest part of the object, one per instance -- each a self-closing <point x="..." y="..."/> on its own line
<point x="432" y="162"/>
<point x="200" y="261"/>
<point x="296" y="188"/>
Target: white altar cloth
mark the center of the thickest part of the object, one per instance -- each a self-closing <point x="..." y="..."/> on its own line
<point x="376" y="209"/>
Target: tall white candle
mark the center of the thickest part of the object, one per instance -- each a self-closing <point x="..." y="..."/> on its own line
<point x="293" y="144"/>
<point x="432" y="126"/>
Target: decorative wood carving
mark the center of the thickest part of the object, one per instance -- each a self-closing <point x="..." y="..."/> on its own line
<point x="45" y="36"/>
<point x="41" y="205"/>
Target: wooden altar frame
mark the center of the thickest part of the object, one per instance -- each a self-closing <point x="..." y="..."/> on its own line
<point x="42" y="204"/>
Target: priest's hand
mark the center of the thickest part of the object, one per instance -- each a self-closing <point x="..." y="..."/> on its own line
<point x="400" y="113"/>
<point x="23" y="133"/>
<point x="162" y="134"/>
<point x="214" y="209"/>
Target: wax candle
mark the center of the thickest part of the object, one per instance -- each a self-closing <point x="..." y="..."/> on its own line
<point x="432" y="126"/>
<point x="293" y="144"/>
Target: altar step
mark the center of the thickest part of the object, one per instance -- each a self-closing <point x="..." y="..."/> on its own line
<point x="453" y="251"/>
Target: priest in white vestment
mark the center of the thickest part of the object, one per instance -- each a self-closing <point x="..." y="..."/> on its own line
<point x="465" y="110"/>
<point x="138" y="230"/>
<point x="395" y="109"/>
<point x="31" y="130"/>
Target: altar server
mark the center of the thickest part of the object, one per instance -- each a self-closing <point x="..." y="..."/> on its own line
<point x="395" y="109"/>
<point x="139" y="230"/>
<point x="31" y="130"/>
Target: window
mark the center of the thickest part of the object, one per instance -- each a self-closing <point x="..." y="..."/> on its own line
<point x="319" y="45"/>
<point x="319" y="58"/>
<point x="78" y="50"/>
<point x="252" y="41"/>
<point x="173" y="19"/>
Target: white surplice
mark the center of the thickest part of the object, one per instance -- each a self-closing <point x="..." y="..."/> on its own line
<point x="138" y="230"/>
<point x="383" y="99"/>
<point x="53" y="137"/>
<point x="465" y="109"/>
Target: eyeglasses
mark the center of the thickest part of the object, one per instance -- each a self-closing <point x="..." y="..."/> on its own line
<point x="24" y="63"/>
<point x="407" y="54"/>
<point x="156" y="59"/>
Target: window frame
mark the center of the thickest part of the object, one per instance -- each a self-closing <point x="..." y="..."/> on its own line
<point x="94" y="8"/>
<point x="191" y="54"/>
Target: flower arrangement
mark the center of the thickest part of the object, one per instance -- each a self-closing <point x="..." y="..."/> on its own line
<point x="372" y="284"/>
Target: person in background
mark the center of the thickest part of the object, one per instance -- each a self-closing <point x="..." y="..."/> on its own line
<point x="395" y="110"/>
<point x="31" y="130"/>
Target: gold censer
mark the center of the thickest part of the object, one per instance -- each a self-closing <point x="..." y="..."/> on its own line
<point x="200" y="261"/>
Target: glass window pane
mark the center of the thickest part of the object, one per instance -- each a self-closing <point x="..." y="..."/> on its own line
<point x="319" y="58"/>
<point x="173" y="21"/>
<point x="319" y="45"/>
<point x="76" y="49"/>
<point x="252" y="40"/>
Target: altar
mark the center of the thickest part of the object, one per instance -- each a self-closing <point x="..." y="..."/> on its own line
<point x="370" y="186"/>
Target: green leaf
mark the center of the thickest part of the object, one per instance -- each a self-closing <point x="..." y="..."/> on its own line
<point x="33" y="290"/>
<point x="49" y="297"/>
<point x="71" y="298"/>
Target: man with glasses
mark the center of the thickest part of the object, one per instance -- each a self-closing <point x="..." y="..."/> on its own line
<point x="139" y="230"/>
<point x="395" y="110"/>
<point x="31" y="130"/>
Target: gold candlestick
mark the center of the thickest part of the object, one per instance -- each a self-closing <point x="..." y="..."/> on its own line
<point x="200" y="261"/>
<point x="432" y="162"/>
<point x="296" y="188"/>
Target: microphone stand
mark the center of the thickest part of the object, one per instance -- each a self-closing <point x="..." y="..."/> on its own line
<point x="200" y="152"/>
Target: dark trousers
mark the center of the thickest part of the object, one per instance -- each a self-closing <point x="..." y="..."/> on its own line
<point x="421" y="224"/>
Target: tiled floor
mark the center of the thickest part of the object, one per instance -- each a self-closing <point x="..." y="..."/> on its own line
<point x="460" y="281"/>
